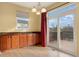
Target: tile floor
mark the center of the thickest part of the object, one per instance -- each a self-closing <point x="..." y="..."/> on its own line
<point x="65" y="45"/>
<point x="33" y="51"/>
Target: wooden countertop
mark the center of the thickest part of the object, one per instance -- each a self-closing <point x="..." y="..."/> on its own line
<point x="4" y="33"/>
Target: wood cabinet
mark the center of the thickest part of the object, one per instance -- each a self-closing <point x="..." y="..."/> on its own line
<point x="23" y="40"/>
<point x="36" y="38"/>
<point x="17" y="40"/>
<point x="9" y="42"/>
<point x="5" y="42"/>
<point x="30" y="39"/>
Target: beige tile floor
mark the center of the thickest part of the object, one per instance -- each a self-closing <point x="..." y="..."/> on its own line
<point x="33" y="51"/>
<point x="65" y="45"/>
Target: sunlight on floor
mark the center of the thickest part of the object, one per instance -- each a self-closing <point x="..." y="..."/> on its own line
<point x="65" y="45"/>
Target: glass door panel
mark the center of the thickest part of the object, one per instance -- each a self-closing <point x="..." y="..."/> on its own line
<point x="66" y="33"/>
<point x="53" y="32"/>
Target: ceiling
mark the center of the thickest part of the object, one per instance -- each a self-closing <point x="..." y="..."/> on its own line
<point x="31" y="4"/>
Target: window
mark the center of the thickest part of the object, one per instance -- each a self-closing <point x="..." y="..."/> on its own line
<point x="21" y="20"/>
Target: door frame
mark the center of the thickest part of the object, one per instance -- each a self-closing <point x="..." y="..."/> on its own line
<point x="58" y="36"/>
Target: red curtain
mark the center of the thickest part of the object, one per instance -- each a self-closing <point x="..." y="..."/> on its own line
<point x="43" y="29"/>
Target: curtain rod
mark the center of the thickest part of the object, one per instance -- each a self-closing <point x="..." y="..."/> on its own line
<point x="58" y="6"/>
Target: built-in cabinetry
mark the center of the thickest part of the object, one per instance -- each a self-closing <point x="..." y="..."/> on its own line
<point x="18" y="40"/>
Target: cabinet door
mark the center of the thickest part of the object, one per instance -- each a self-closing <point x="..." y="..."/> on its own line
<point x="30" y="39"/>
<point x="38" y="38"/>
<point x="3" y="42"/>
<point x="23" y="40"/>
<point x="34" y="38"/>
<point x="15" y="41"/>
<point x="26" y="41"/>
<point x="9" y="41"/>
<point x="0" y="43"/>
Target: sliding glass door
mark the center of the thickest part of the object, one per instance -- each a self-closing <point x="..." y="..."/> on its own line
<point x="61" y="28"/>
<point x="67" y="32"/>
<point x="53" y="32"/>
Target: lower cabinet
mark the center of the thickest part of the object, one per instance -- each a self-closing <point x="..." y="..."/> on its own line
<point x="5" y="42"/>
<point x="17" y="40"/>
<point x="30" y="39"/>
<point x="36" y="38"/>
<point x="23" y="40"/>
<point x="9" y="42"/>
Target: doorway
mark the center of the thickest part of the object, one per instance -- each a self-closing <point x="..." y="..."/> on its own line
<point x="61" y="28"/>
